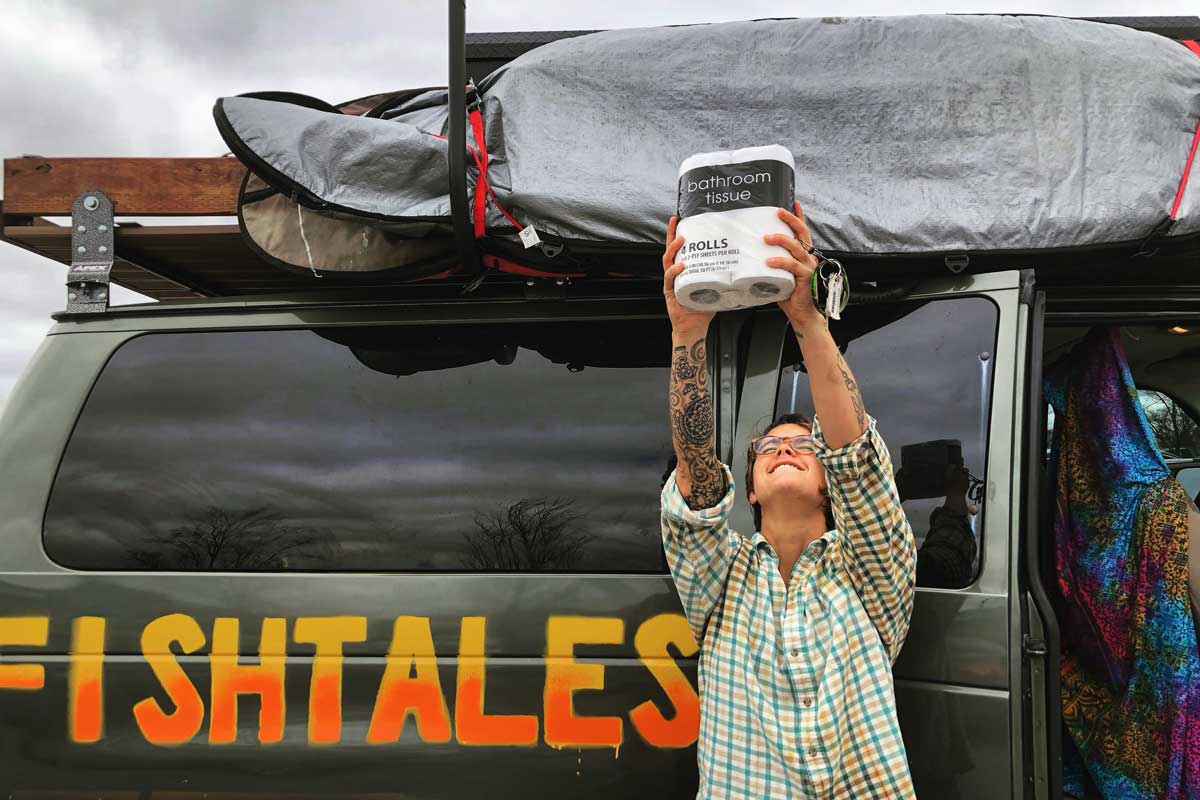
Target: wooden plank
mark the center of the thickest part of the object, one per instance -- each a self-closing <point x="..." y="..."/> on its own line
<point x="171" y="187"/>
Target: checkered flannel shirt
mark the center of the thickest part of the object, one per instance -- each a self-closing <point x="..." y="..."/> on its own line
<point x="796" y="682"/>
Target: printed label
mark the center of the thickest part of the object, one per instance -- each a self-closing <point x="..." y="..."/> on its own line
<point x="725" y="187"/>
<point x="529" y="237"/>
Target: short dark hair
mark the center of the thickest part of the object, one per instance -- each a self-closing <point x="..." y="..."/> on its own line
<point x="782" y="419"/>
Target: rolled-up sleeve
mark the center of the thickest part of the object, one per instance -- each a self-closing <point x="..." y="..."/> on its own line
<point x="878" y="547"/>
<point x="700" y="548"/>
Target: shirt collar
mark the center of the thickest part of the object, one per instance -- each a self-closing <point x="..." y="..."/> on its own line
<point x="761" y="545"/>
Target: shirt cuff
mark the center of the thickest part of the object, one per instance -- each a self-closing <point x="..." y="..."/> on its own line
<point x="676" y="508"/>
<point x="849" y="460"/>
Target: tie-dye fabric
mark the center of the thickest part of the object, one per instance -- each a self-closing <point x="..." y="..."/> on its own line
<point x="1130" y="667"/>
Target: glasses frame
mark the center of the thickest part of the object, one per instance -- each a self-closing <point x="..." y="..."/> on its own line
<point x="809" y="444"/>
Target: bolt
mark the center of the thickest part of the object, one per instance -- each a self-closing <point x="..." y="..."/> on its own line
<point x="72" y="296"/>
<point x="103" y="249"/>
<point x="91" y="202"/>
<point x="984" y="356"/>
<point x="82" y="229"/>
<point x="100" y="294"/>
<point x="81" y="250"/>
<point x="102" y="228"/>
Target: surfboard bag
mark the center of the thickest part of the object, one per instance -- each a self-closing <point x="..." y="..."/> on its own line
<point x="971" y="142"/>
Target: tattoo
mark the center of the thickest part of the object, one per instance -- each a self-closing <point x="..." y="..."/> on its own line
<point x="693" y="427"/>
<point x="855" y="395"/>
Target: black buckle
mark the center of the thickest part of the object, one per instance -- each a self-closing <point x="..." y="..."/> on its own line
<point x="474" y="101"/>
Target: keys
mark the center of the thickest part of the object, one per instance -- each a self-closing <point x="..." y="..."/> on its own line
<point x="830" y="289"/>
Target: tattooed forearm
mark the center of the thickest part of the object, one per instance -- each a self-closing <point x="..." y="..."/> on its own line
<point x="855" y="395"/>
<point x="692" y="426"/>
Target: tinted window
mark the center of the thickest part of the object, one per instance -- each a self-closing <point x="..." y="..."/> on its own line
<point x="925" y="371"/>
<point x="1177" y="434"/>
<point x="489" y="447"/>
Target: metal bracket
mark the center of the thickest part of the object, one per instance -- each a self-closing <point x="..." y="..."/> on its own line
<point x="957" y="262"/>
<point x="1033" y="646"/>
<point x="91" y="254"/>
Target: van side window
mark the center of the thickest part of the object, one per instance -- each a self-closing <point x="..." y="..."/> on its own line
<point x="498" y="447"/>
<point x="1175" y="431"/>
<point x="925" y="370"/>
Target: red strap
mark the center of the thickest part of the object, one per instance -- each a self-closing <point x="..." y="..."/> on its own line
<point x="1186" y="171"/>
<point x="1194" y="46"/>
<point x="481" y="161"/>
<point x="490" y="193"/>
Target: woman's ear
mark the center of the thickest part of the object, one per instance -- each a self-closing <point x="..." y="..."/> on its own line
<point x="753" y="498"/>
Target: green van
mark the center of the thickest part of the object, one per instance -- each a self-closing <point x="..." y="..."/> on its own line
<point x="268" y="546"/>
<point x="403" y="542"/>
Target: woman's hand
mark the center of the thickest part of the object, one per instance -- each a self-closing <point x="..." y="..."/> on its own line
<point x="685" y="324"/>
<point x="799" y="307"/>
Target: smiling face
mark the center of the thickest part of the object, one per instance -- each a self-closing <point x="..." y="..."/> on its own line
<point x="786" y="472"/>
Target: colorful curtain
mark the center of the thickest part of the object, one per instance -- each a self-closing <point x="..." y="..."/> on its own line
<point x="1130" y="667"/>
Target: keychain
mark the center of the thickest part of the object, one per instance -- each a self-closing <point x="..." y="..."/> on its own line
<point x="836" y="297"/>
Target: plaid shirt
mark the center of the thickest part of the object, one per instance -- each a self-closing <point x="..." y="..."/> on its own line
<point x="796" y="682"/>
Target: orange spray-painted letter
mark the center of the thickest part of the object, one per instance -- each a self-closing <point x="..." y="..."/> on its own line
<point x="329" y="634"/>
<point x="230" y="679"/>
<point x="471" y="724"/>
<point x="410" y="685"/>
<point x="31" y="632"/>
<point x="565" y="676"/>
<point x="651" y="642"/>
<point x="85" y="681"/>
<point x="184" y="722"/>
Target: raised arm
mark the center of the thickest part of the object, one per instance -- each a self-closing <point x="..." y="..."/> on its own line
<point x="695" y="501"/>
<point x="699" y="476"/>
<point x="878" y="545"/>
<point x="836" y="399"/>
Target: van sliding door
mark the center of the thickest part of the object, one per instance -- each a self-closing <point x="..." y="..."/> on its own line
<point x="939" y="370"/>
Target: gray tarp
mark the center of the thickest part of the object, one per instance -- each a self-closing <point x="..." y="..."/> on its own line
<point x="911" y="134"/>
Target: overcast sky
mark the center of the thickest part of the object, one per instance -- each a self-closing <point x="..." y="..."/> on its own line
<point x="139" y="77"/>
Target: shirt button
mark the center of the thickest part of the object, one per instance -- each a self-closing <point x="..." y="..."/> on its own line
<point x="807" y="701"/>
<point x="795" y="652"/>
<point x="812" y="751"/>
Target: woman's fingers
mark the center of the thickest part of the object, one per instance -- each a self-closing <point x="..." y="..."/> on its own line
<point x="800" y="269"/>
<point x="671" y="228"/>
<point x="669" y="276"/>
<point x="788" y="243"/>
<point x="797" y="222"/>
<point x="673" y="247"/>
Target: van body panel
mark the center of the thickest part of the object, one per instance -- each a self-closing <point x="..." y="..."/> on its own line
<point x="36" y="756"/>
<point x="953" y="671"/>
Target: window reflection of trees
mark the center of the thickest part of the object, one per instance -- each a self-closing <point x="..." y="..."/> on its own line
<point x="538" y="535"/>
<point x="427" y="447"/>
<point x="255" y="539"/>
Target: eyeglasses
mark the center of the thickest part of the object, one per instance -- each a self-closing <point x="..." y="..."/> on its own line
<point x="766" y="445"/>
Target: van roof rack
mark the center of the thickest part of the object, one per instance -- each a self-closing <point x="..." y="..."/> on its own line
<point x="211" y="259"/>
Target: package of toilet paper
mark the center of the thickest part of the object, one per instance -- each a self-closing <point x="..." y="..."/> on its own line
<point x="728" y="201"/>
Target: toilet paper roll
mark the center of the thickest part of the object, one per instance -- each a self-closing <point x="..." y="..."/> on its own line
<point x="734" y="298"/>
<point x="766" y="287"/>
<point x="704" y="291"/>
